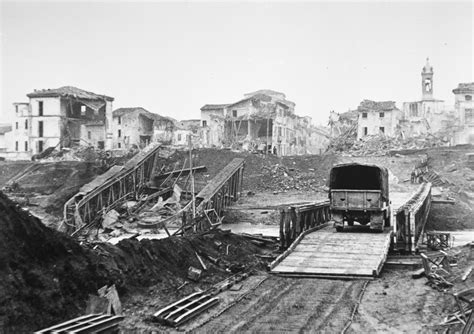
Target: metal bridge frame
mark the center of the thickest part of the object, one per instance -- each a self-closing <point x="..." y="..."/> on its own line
<point x="85" y="210"/>
<point x="410" y="219"/>
<point x="224" y="189"/>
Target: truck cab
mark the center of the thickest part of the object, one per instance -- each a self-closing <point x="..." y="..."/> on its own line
<point x="359" y="193"/>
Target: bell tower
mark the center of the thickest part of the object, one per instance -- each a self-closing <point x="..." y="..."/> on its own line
<point x="427" y="81"/>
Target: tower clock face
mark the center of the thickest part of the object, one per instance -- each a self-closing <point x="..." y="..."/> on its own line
<point x="427" y="84"/>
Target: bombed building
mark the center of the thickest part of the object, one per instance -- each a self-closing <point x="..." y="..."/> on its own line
<point x="262" y="121"/>
<point x="64" y="117"/>
<point x="377" y="118"/>
<point x="464" y="109"/>
<point x="137" y="127"/>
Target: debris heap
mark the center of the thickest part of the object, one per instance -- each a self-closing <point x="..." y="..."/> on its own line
<point x="379" y="145"/>
<point x="46" y="276"/>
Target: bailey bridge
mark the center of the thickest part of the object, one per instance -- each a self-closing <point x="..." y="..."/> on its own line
<point x="313" y="248"/>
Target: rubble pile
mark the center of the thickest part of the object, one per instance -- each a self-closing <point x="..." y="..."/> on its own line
<point x="81" y="153"/>
<point x="379" y="145"/>
<point x="344" y="142"/>
<point x="140" y="217"/>
<point x="280" y="178"/>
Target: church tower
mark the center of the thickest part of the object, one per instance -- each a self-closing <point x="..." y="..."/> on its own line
<point x="427" y="81"/>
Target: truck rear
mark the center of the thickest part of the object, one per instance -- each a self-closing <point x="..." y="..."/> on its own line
<point x="359" y="193"/>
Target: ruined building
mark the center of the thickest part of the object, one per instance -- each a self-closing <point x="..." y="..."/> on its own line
<point x="262" y="121"/>
<point x="464" y="108"/>
<point x="377" y="118"/>
<point x="188" y="128"/>
<point x="62" y="117"/>
<point x="340" y="123"/>
<point x="137" y="127"/>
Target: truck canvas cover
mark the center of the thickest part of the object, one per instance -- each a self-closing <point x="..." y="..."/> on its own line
<point x="355" y="176"/>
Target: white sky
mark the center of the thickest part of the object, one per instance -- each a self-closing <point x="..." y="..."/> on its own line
<point x="172" y="58"/>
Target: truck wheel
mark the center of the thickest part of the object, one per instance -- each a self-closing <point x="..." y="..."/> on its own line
<point x="350" y="222"/>
<point x="339" y="228"/>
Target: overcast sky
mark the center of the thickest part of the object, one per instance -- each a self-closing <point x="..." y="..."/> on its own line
<point x="172" y="58"/>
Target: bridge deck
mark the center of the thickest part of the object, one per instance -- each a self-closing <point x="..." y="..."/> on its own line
<point x="356" y="252"/>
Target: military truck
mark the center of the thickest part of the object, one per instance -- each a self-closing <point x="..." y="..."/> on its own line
<point x="358" y="193"/>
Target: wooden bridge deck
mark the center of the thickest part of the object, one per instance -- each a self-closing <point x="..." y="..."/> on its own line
<point x="354" y="253"/>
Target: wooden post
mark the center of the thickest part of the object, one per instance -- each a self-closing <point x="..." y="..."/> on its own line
<point x="268" y="132"/>
<point x="407" y="231"/>
<point x="193" y="205"/>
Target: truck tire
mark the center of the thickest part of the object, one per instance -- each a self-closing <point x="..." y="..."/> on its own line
<point x="339" y="228"/>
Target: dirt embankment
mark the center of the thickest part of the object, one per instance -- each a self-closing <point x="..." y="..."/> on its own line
<point x="262" y="173"/>
<point x="451" y="165"/>
<point x="45" y="276"/>
<point x="45" y="187"/>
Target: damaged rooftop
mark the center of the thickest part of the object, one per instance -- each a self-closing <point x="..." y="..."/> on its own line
<point x="69" y="91"/>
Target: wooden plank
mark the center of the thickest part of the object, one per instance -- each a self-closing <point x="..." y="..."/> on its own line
<point x="345" y="241"/>
<point x="338" y="271"/>
<point x="293" y="245"/>
<point x="325" y="276"/>
<point x="343" y="245"/>
<point x="342" y="256"/>
<point x="331" y="263"/>
<point x="347" y="236"/>
<point x="335" y="249"/>
<point x="337" y="252"/>
<point x="332" y="267"/>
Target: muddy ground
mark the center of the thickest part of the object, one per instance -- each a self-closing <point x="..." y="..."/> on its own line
<point x="45" y="277"/>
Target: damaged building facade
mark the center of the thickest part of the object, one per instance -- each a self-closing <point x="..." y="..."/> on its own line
<point x="377" y="118"/>
<point x="464" y="108"/>
<point x="262" y="121"/>
<point x="137" y="127"/>
<point x="62" y="117"/>
<point x="189" y="128"/>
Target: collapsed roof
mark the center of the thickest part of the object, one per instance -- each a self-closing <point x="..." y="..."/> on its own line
<point x="69" y="91"/>
<point x="92" y="100"/>
<point x="369" y="105"/>
<point x="464" y="88"/>
<point x="141" y="111"/>
<point x="214" y="106"/>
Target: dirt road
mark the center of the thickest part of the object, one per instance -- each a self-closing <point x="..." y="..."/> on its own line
<point x="290" y="305"/>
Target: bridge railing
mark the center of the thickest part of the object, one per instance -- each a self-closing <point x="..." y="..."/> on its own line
<point x="296" y="219"/>
<point x="410" y="219"/>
